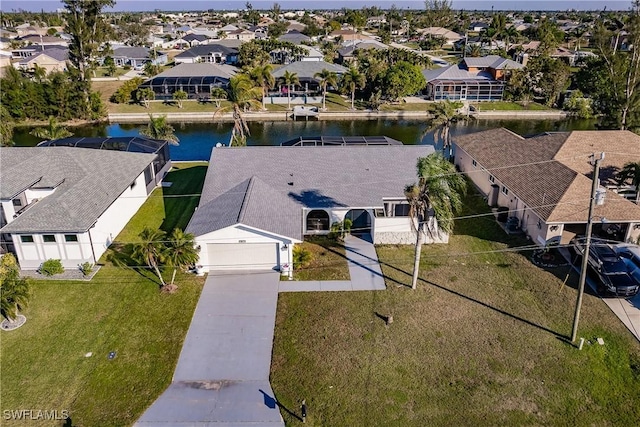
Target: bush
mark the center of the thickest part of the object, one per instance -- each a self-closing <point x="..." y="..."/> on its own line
<point x="302" y="257"/>
<point x="86" y="268"/>
<point x="51" y="267"/>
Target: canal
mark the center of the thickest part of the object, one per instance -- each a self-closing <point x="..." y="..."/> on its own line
<point x="197" y="139"/>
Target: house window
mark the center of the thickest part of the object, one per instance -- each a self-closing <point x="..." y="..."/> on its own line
<point x="17" y="203"/>
<point x="505" y="191"/>
<point x="70" y="237"/>
<point x="49" y="238"/>
<point x="401" y="210"/>
<point x="26" y="239"/>
<point x="492" y="178"/>
<point x="318" y="220"/>
<point x="474" y="163"/>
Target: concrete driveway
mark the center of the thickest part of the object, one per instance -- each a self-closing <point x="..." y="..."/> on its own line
<point x="222" y="376"/>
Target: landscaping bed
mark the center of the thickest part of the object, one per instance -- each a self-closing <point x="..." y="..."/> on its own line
<point x="328" y="260"/>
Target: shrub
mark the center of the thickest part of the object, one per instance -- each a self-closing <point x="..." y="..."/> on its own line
<point x="86" y="268"/>
<point x="51" y="267"/>
<point x="302" y="257"/>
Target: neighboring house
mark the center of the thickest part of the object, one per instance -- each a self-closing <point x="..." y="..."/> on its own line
<point x="309" y="84"/>
<point x="478" y="26"/>
<point x="211" y="53"/>
<point x="44" y="41"/>
<point x="313" y="54"/>
<point x="68" y="203"/>
<point x="347" y="54"/>
<point x="295" y="37"/>
<point x="190" y="40"/>
<point x="27" y="51"/>
<point x="255" y="206"/>
<point x="450" y="36"/>
<point x="137" y="56"/>
<point x="242" y="35"/>
<point x="474" y="79"/>
<point x="545" y="181"/>
<point x="195" y="79"/>
<point x="50" y="60"/>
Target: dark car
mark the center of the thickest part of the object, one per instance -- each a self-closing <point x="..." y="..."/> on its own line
<point x="610" y="270"/>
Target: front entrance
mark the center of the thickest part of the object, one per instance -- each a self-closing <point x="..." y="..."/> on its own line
<point x="360" y="221"/>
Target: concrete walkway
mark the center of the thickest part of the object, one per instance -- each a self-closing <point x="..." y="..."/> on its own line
<point x="364" y="270"/>
<point x="222" y="376"/>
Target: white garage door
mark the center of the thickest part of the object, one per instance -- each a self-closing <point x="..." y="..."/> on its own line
<point x="247" y="256"/>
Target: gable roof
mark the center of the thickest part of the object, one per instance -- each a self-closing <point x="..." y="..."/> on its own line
<point x="87" y="182"/>
<point x="135" y="52"/>
<point x="254" y="186"/>
<point x="550" y="172"/>
<point x="198" y="37"/>
<point x="60" y="55"/>
<point x="492" y="61"/>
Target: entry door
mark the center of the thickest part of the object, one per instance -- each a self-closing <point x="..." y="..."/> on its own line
<point x="463" y="93"/>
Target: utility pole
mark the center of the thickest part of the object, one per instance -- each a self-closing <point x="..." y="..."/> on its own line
<point x="587" y="243"/>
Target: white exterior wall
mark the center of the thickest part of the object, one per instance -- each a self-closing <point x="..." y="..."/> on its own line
<point x="114" y="219"/>
<point x="71" y="254"/>
<point x="397" y="231"/>
<point x="32" y="194"/>
<point x="9" y="210"/>
<point x="242" y="234"/>
<point x="185" y="60"/>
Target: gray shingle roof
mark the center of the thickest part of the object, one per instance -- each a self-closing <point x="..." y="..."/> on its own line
<point x="452" y="72"/>
<point x="87" y="182"/>
<point x="135" y="52"/>
<point x="492" y="61"/>
<point x="57" y="54"/>
<point x="207" y="49"/>
<point x="308" y="69"/>
<point x="267" y="187"/>
<point x="202" y="69"/>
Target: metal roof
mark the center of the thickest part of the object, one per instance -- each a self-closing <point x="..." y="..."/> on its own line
<point x="307" y="141"/>
<point x="132" y="144"/>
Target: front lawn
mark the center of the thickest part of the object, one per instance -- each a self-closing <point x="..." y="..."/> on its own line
<point x="44" y="364"/>
<point x="509" y="106"/>
<point x="328" y="260"/>
<point x="482" y="341"/>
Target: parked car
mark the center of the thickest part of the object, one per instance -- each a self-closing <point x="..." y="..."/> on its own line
<point x="611" y="272"/>
<point x="631" y="256"/>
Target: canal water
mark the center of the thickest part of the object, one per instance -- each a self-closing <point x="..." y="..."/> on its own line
<point x="197" y="139"/>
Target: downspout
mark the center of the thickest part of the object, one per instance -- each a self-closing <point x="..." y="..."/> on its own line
<point x="93" y="252"/>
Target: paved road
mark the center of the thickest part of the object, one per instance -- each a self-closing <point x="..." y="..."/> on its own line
<point x="222" y="377"/>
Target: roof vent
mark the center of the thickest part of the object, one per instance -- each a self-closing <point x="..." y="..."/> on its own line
<point x="290" y="183"/>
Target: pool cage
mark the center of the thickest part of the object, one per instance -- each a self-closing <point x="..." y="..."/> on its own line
<point x="196" y="87"/>
<point x="465" y="90"/>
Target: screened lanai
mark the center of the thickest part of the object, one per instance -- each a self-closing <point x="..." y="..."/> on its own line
<point x="195" y="79"/>
<point x="467" y="89"/>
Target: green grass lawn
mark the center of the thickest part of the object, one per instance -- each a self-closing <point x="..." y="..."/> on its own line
<point x="120" y="309"/>
<point x="328" y="260"/>
<point x="191" y="106"/>
<point x="480" y="342"/>
<point x="102" y="72"/>
<point x="509" y="106"/>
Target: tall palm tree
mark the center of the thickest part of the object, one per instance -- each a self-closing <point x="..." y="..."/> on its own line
<point x="14" y="290"/>
<point x="510" y="34"/>
<point x="433" y="201"/>
<point x="630" y="174"/>
<point x="159" y="128"/>
<point x="151" y="250"/>
<point x="289" y="79"/>
<point x="52" y="131"/>
<point x="352" y="80"/>
<point x="262" y="76"/>
<point x="326" y="78"/>
<point x="474" y="51"/>
<point x="243" y="96"/>
<point x="181" y="251"/>
<point x="445" y="114"/>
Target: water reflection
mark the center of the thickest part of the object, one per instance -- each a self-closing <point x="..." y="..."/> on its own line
<point x="197" y="139"/>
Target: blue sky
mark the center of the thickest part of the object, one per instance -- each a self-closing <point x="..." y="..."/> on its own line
<point x="172" y="5"/>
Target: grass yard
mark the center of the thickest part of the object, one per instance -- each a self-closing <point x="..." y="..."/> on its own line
<point x="106" y="89"/>
<point x="328" y="261"/>
<point x="480" y="342"/>
<point x="190" y="106"/>
<point x="509" y="106"/>
<point x="44" y="364"/>
<point x="120" y="309"/>
<point x="102" y="72"/>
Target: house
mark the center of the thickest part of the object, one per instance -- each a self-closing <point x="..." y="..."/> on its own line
<point x="295" y="37"/>
<point x="44" y="41"/>
<point x="347" y="54"/>
<point x="195" y="79"/>
<point x="478" y="26"/>
<point x="137" y="56"/>
<point x="313" y="54"/>
<point x="190" y="40"/>
<point x="50" y="60"/>
<point x="258" y="202"/>
<point x="309" y="85"/>
<point x="474" y="79"/>
<point x="241" y="34"/>
<point x="68" y="203"/>
<point x="545" y="181"/>
<point x="217" y="53"/>
<point x="450" y="36"/>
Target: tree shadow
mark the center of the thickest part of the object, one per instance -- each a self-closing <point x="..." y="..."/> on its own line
<point x="314" y="198"/>
<point x="120" y="255"/>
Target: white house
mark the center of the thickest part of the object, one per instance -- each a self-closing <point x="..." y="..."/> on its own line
<point x="545" y="181"/>
<point x="258" y="202"/>
<point x="68" y="203"/>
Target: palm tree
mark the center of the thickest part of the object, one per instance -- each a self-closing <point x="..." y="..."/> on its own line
<point x="326" y="78"/>
<point x="180" y="96"/>
<point x="14" y="290"/>
<point x="243" y="96"/>
<point x="352" y="80"/>
<point x="474" y="51"/>
<point x="144" y="95"/>
<point x="52" y="131"/>
<point x="151" y="250"/>
<point x="159" y="128"/>
<point x="445" y="114"/>
<point x="630" y="173"/>
<point x="289" y="79"/>
<point x="262" y="76"/>
<point x="433" y="201"/>
<point x="181" y="251"/>
<point x="217" y="94"/>
<point x="510" y="34"/>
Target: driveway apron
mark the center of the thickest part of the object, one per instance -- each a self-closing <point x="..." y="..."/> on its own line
<point x="222" y="376"/>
